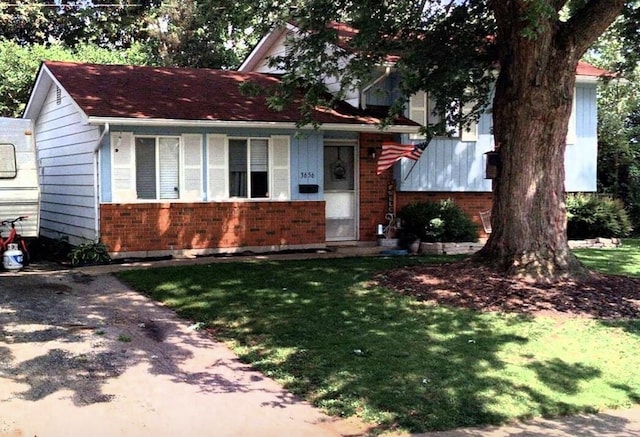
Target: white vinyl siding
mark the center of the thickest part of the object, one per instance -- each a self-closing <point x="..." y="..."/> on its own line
<point x="571" y="131"/>
<point x="66" y="162"/>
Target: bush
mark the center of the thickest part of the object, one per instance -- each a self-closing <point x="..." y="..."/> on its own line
<point x="438" y="221"/>
<point x="89" y="253"/>
<point x="590" y="216"/>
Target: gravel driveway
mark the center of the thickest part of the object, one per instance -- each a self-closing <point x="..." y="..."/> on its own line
<point x="83" y="355"/>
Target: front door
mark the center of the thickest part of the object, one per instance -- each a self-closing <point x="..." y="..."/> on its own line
<point x="340" y="191"/>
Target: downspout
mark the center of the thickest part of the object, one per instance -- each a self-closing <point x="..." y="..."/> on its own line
<point x="96" y="178"/>
<point x="363" y="93"/>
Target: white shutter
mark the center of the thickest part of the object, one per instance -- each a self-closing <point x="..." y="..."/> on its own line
<point x="122" y="167"/>
<point x="418" y="110"/>
<point x="169" y="157"/>
<point x="469" y="133"/>
<point x="191" y="186"/>
<point x="280" y="177"/>
<point x="217" y="166"/>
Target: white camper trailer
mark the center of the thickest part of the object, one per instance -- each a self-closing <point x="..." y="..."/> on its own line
<point x="19" y="188"/>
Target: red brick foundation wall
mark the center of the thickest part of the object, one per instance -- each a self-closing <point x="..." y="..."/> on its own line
<point x="373" y="188"/>
<point x="471" y="203"/>
<point x="183" y="226"/>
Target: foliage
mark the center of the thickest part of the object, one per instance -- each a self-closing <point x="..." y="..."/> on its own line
<point x="19" y="66"/>
<point x="590" y="216"/>
<point x="438" y="221"/>
<point x="328" y="333"/>
<point x="89" y="253"/>
<point x="107" y="24"/>
<point x="618" y="114"/>
<point x="212" y="34"/>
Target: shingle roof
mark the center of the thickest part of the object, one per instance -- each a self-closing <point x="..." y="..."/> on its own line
<point x="125" y="91"/>
<point x="585" y="69"/>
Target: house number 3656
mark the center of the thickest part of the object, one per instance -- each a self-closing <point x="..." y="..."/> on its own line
<point x="307" y="175"/>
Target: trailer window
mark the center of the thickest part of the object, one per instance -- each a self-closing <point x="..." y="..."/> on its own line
<point x="8" y="168"/>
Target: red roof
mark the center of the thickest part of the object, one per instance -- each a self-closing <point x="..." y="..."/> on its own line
<point x="124" y="91"/>
<point x="585" y="69"/>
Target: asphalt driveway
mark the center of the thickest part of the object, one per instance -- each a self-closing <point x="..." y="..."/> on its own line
<point x="83" y="355"/>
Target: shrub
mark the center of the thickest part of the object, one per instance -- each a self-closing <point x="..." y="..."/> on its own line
<point x="590" y="216"/>
<point x="88" y="253"/>
<point x="438" y="221"/>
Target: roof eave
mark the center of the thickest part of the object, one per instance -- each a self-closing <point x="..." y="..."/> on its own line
<point x="343" y="127"/>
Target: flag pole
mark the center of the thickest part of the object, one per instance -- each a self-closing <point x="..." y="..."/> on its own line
<point x="410" y="170"/>
<point x="423" y="146"/>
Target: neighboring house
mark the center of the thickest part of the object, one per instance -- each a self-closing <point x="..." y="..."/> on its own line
<point x="454" y="167"/>
<point x="157" y="161"/>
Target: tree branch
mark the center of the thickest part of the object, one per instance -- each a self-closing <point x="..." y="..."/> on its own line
<point x="588" y="23"/>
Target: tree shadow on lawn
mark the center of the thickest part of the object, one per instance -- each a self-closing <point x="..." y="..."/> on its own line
<point x="333" y="336"/>
<point x="59" y="332"/>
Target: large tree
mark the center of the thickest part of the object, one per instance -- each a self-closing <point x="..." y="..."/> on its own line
<point x="526" y="50"/>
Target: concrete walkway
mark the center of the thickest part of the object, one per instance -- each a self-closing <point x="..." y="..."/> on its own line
<point x="166" y="379"/>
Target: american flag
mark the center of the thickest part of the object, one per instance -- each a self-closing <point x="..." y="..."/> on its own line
<point x="392" y="152"/>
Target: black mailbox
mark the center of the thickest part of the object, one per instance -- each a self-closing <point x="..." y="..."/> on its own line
<point x="307" y="188"/>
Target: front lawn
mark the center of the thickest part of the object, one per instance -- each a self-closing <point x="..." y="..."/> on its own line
<point x="326" y="331"/>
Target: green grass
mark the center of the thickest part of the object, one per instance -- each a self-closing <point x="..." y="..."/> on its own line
<point x="624" y="260"/>
<point x="328" y="333"/>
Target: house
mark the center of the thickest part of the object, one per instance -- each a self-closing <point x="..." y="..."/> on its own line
<point x="175" y="161"/>
<point x="452" y="167"/>
<point x="156" y="161"/>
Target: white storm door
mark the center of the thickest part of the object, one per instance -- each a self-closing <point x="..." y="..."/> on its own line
<point x="340" y="191"/>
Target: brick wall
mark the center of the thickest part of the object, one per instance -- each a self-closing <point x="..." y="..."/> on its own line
<point x="373" y="188"/>
<point x="183" y="226"/>
<point x="471" y="203"/>
<point x="374" y="197"/>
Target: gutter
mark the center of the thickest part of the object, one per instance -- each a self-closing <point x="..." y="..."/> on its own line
<point x="96" y="179"/>
<point x="341" y="127"/>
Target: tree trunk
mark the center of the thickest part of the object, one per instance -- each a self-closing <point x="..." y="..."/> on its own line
<point x="529" y="235"/>
<point x="531" y="111"/>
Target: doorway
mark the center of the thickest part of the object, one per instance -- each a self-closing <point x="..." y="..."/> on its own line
<point x="340" y="190"/>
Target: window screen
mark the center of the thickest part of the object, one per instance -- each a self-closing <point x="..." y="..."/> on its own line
<point x="8" y="168"/>
<point x="238" y="168"/>
<point x="146" y="168"/>
<point x="259" y="168"/>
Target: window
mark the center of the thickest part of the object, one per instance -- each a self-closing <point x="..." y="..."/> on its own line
<point x="249" y="168"/>
<point x="157" y="167"/>
<point x="8" y="169"/>
<point x="423" y="110"/>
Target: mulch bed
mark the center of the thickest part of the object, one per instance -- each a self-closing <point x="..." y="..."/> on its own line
<point x="470" y="285"/>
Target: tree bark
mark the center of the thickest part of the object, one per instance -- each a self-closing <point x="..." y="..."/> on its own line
<point x="531" y="110"/>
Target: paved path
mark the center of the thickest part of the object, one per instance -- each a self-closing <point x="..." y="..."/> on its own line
<point x="165" y="379"/>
